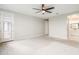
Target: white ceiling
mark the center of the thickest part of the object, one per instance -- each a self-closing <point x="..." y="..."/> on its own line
<point x="27" y="9"/>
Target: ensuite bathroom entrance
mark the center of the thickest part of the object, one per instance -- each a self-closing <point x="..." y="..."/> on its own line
<point x="73" y="27"/>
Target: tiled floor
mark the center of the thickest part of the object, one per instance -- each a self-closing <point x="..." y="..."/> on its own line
<point x="40" y="46"/>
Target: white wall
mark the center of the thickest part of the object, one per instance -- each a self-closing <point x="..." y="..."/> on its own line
<point x="58" y="26"/>
<point x="27" y="26"/>
<point x="46" y="27"/>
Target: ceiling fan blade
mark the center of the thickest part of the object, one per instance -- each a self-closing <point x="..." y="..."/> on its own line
<point x="50" y="8"/>
<point x="48" y="11"/>
<point x="42" y="13"/>
<point x="36" y="9"/>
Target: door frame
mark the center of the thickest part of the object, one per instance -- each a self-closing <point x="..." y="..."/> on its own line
<point x="8" y="29"/>
<point x="68" y="37"/>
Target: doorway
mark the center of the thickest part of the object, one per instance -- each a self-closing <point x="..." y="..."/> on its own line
<point x="7" y="30"/>
<point x="7" y="26"/>
<point x="73" y="27"/>
<point x="46" y="27"/>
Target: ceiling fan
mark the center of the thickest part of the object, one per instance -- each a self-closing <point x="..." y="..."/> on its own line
<point x="44" y="9"/>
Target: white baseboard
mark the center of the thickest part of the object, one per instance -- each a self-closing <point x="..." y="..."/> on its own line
<point x="28" y="37"/>
<point x="61" y="38"/>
